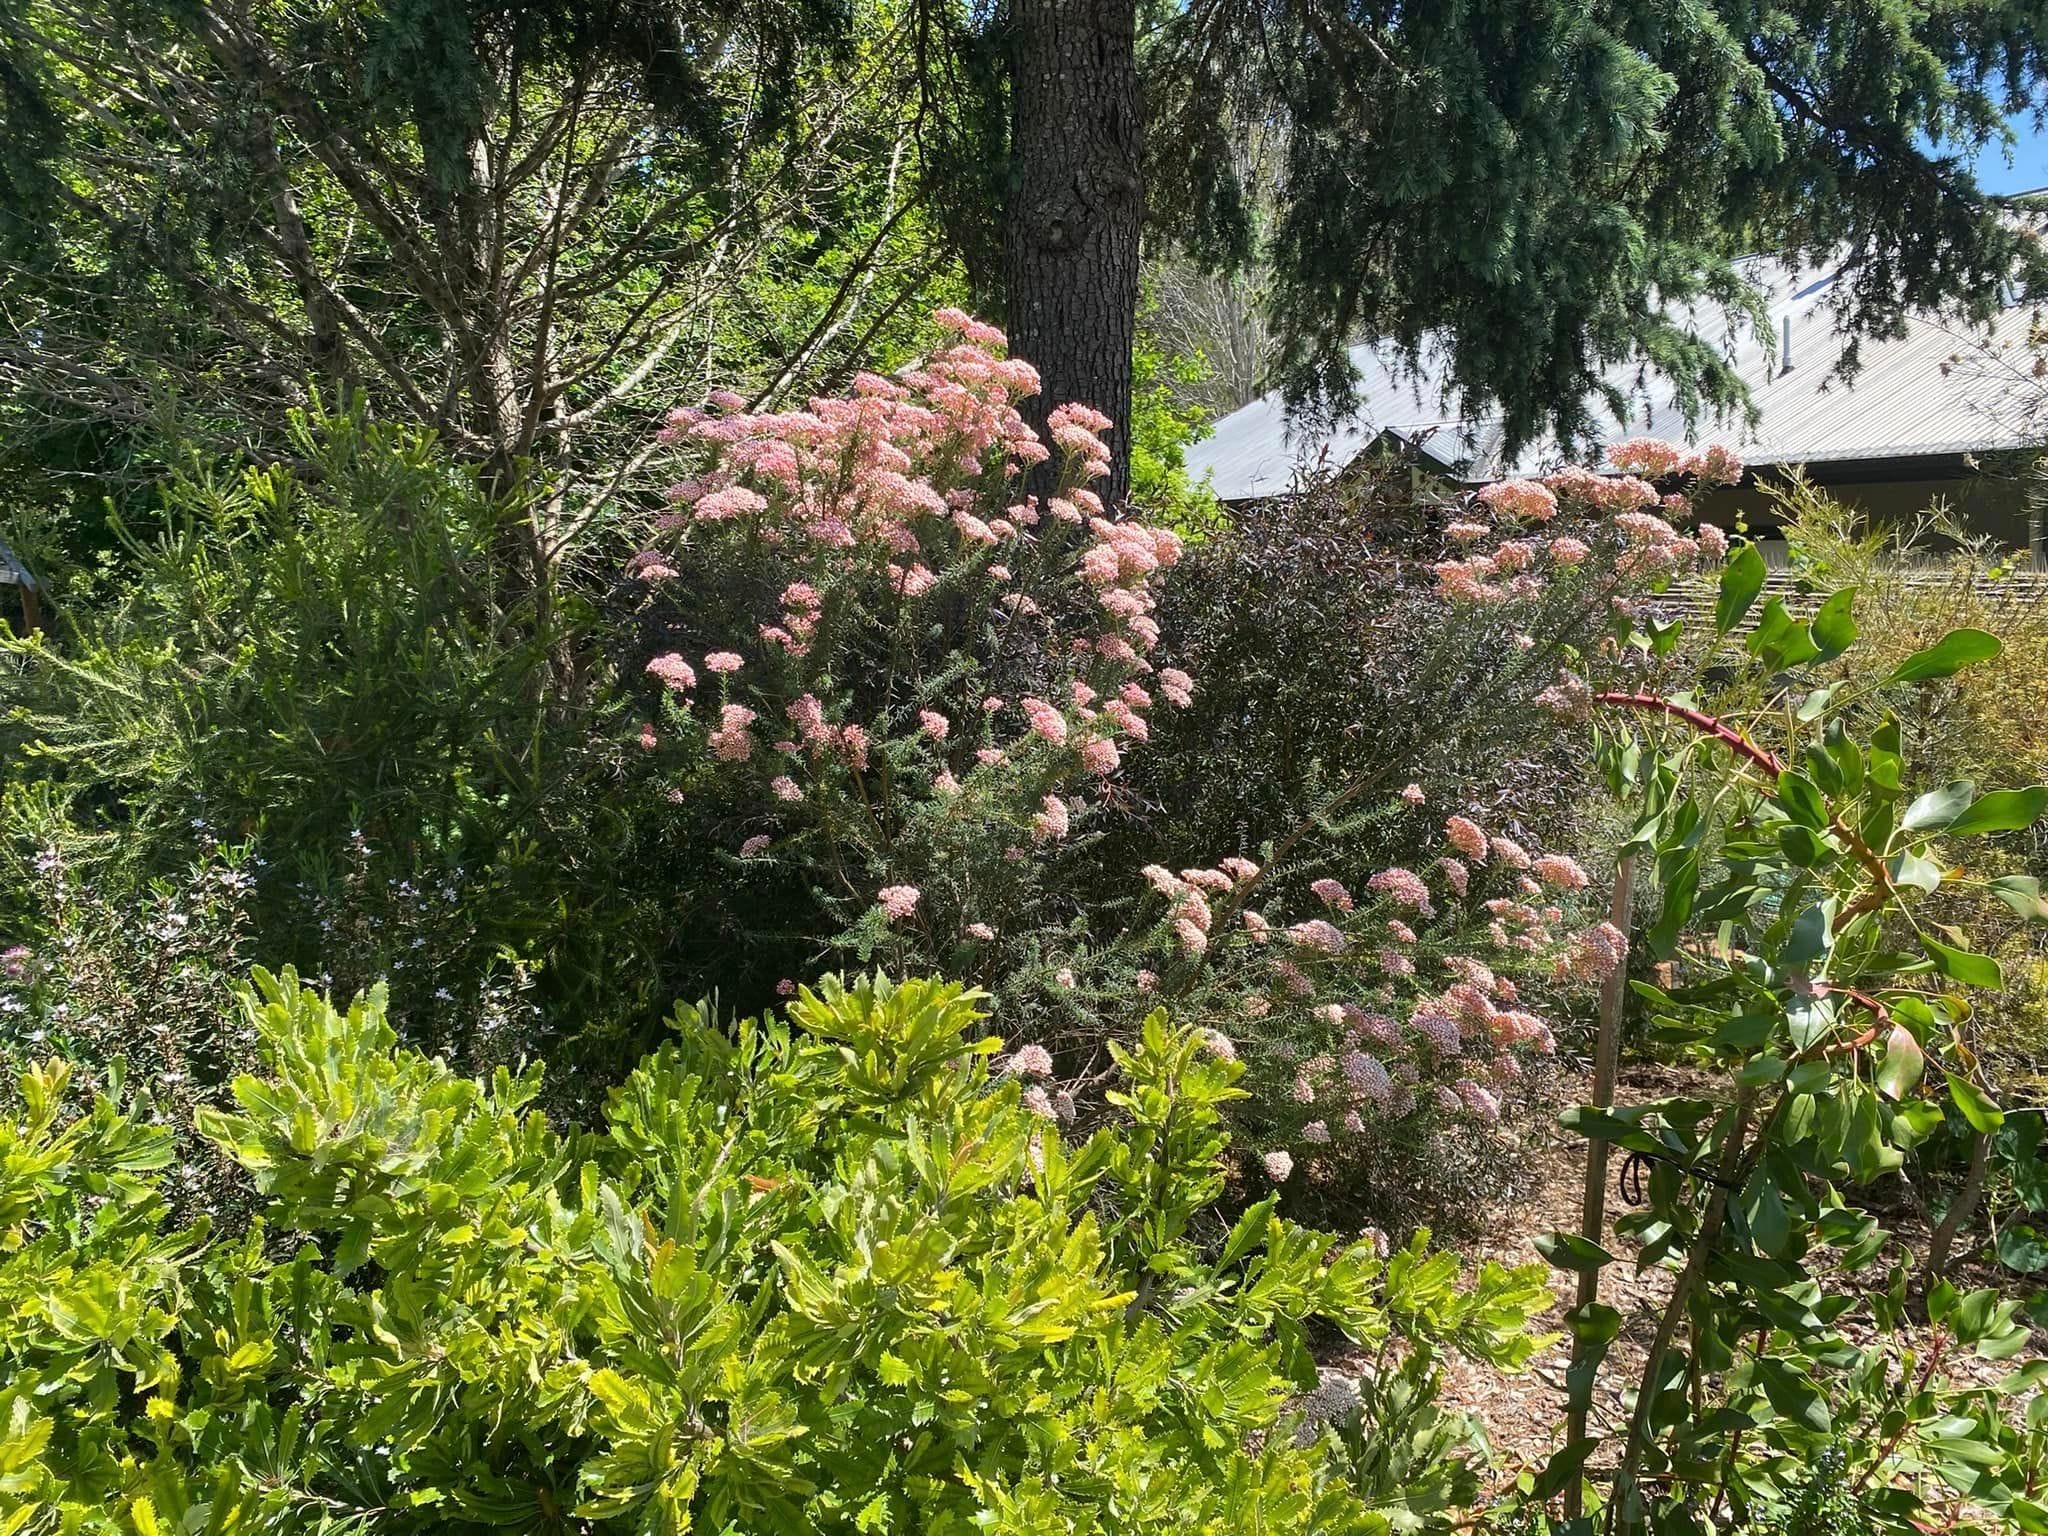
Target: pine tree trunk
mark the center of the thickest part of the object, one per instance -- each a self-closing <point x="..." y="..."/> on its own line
<point x="1070" y="239"/>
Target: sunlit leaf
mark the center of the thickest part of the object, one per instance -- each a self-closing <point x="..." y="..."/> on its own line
<point x="1954" y="651"/>
<point x="2003" y="810"/>
<point x="1741" y="580"/>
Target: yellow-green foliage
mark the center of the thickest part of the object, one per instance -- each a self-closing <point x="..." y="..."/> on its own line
<point x="1913" y="585"/>
<point x="818" y="1276"/>
<point x="1988" y="724"/>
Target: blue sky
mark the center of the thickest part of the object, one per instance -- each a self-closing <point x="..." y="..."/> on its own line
<point x="2029" y="168"/>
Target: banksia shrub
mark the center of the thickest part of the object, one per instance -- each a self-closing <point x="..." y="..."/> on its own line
<point x="892" y="684"/>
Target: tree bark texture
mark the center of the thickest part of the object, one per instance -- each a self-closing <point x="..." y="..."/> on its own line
<point x="1070" y="240"/>
<point x="1957" y="1218"/>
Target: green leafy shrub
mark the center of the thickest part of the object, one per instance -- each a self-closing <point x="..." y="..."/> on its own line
<point x="830" y="1275"/>
<point x="1915" y="583"/>
<point x="143" y="989"/>
<point x="337" y="662"/>
<point x="1802" y="873"/>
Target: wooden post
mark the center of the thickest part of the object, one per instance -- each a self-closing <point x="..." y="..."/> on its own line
<point x="1593" y="1210"/>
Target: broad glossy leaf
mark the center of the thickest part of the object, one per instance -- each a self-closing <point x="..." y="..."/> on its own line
<point x="1833" y="628"/>
<point x="1811" y="936"/>
<point x="1977" y="1106"/>
<point x="1744" y="1031"/>
<point x="1938" y="808"/>
<point x="1594" y="1327"/>
<point x="1954" y="651"/>
<point x="1802" y="800"/>
<point x="1763" y="1212"/>
<point x="1903" y="1063"/>
<point x="1916" y="872"/>
<point x="1913" y="1122"/>
<point x="1567" y="1250"/>
<point x="2003" y="810"/>
<point x="1780" y="640"/>
<point x="2023" y="894"/>
<point x="1792" y="1393"/>
<point x="1741" y="579"/>
<point x="1559" y="1471"/>
<point x="1863" y="1145"/>
<point x="2022" y="1248"/>
<point x="1815" y="704"/>
<point x="1965" y="965"/>
<point x="1802" y="845"/>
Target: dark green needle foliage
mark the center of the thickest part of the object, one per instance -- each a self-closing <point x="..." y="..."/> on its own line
<point x="1551" y="187"/>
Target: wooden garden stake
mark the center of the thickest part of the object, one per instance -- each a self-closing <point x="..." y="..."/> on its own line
<point x="1593" y="1212"/>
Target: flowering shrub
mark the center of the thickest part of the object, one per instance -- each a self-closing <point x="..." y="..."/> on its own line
<point x="1516" y="540"/>
<point x="919" y="682"/>
<point x="1377" y="1002"/>
<point x="830" y="1275"/>
<point x="929" y="693"/>
<point x="1387" y="1012"/>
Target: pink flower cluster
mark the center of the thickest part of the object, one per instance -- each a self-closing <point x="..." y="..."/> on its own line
<point x="674" y="673"/>
<point x="1405" y="888"/>
<point x="898" y="901"/>
<point x="1595" y="954"/>
<point x="1422" y="1027"/>
<point x="872" y="465"/>
<point x="1517" y="567"/>
<point x="1654" y="459"/>
<point x="1523" y="501"/>
<point x="1650" y="457"/>
<point x="1467" y="837"/>
<point x="1331" y="893"/>
<point x="731" y="742"/>
<point x="1052" y="822"/>
<point x="901" y="485"/>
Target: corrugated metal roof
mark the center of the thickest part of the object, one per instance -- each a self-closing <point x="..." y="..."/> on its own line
<point x="1937" y="390"/>
<point x="12" y="572"/>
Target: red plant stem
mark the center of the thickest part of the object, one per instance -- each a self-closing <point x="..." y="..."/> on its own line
<point x="1927" y="1369"/>
<point x="1742" y="746"/>
<point x="1857" y="995"/>
<point x="1699" y="721"/>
